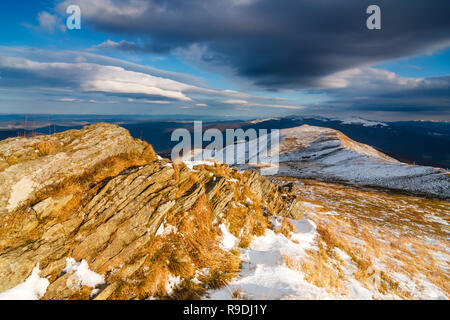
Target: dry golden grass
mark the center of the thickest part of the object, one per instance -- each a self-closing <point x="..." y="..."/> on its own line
<point x="286" y="228"/>
<point x="193" y="247"/>
<point x="238" y="294"/>
<point x="83" y="294"/>
<point x="382" y="235"/>
<point x="45" y="147"/>
<point x="319" y="270"/>
<point x="245" y="241"/>
<point x="188" y="290"/>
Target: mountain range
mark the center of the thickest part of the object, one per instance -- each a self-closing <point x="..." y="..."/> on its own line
<point x="415" y="142"/>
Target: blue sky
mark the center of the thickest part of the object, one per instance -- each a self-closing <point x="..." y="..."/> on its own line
<point x="230" y="59"/>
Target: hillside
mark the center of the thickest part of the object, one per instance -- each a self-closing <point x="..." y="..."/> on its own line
<point x="96" y="214"/>
<point x="352" y="244"/>
<point x="311" y="152"/>
<point x="424" y="143"/>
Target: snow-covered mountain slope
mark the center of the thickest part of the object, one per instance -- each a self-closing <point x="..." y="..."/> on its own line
<point x="317" y="142"/>
<point x="424" y="143"/>
<point x="345" y="120"/>
<point x="361" y="121"/>
<point x="353" y="244"/>
<point x="327" y="154"/>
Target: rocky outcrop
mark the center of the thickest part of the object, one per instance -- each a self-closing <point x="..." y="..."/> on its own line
<point x="29" y="165"/>
<point x="99" y="198"/>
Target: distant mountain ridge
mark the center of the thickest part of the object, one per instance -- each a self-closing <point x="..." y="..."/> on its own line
<point x="416" y="142"/>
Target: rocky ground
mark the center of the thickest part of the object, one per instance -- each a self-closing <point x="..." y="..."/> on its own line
<point x="96" y="214"/>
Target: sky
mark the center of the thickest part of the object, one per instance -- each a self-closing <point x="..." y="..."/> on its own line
<point x="227" y="58"/>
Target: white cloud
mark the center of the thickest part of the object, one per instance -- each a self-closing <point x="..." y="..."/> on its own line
<point x="235" y="102"/>
<point x="148" y="101"/>
<point x="91" y="77"/>
<point x="118" y="80"/>
<point x="67" y="100"/>
<point x="85" y="75"/>
<point x="368" y="78"/>
<point x="109" y="44"/>
<point x="48" y="22"/>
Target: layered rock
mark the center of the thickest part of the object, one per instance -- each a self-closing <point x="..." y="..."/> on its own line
<point x="99" y="197"/>
<point x="29" y="165"/>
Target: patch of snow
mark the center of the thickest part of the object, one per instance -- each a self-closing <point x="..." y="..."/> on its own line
<point x="264" y="274"/>
<point x="364" y="122"/>
<point x="82" y="275"/>
<point x="358" y="291"/>
<point x="33" y="288"/>
<point x="331" y="213"/>
<point x="343" y="255"/>
<point x="262" y="120"/>
<point x="269" y="170"/>
<point x="192" y="164"/>
<point x="172" y="283"/>
<point x="276" y="222"/>
<point x="164" y="230"/>
<point x="228" y="240"/>
<point x="311" y="205"/>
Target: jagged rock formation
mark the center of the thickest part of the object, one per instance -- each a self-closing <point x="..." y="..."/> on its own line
<point x="29" y="165"/>
<point x="100" y="197"/>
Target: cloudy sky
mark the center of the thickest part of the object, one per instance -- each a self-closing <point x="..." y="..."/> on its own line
<point x="227" y="58"/>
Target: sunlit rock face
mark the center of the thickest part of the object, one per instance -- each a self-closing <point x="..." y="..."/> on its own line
<point x="101" y="216"/>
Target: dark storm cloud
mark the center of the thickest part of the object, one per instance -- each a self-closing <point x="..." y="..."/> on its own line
<point x="278" y="44"/>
